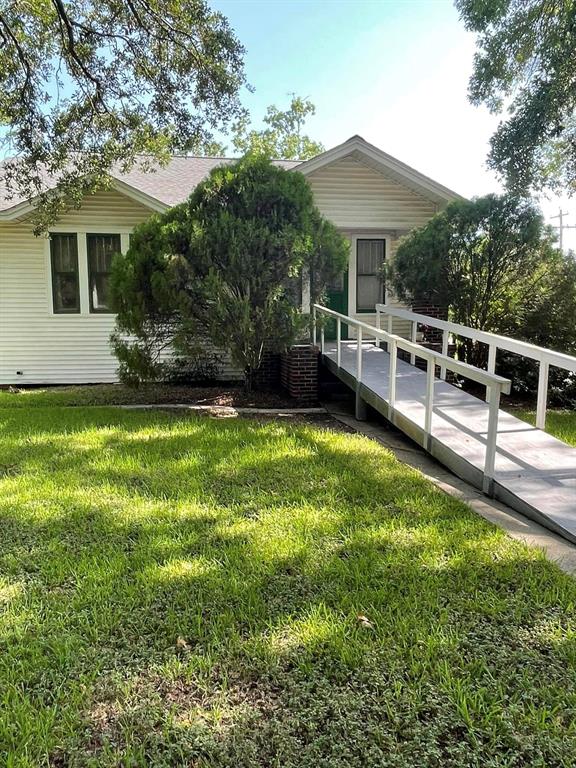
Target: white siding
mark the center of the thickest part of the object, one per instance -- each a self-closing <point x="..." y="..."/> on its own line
<point x="106" y="209"/>
<point x="48" y="348"/>
<point x="52" y="349"/>
<point x="354" y="196"/>
<point x="45" y="348"/>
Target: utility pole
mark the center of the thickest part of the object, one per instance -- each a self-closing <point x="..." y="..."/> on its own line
<point x="561" y="226"/>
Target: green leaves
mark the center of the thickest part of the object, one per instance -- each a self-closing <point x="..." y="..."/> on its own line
<point x="492" y="263"/>
<point x="88" y="86"/>
<point x="228" y="264"/>
<point x="525" y="62"/>
<point x="282" y="137"/>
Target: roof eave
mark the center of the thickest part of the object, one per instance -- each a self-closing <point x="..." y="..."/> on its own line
<point x="25" y="207"/>
<point x="388" y="163"/>
<point x="16" y="211"/>
<point x="140" y="197"/>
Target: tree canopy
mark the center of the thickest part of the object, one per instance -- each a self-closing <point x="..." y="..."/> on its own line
<point x="525" y="66"/>
<point x="283" y="135"/>
<point x="493" y="264"/>
<point x="89" y="85"/>
<point x="227" y="266"/>
<point x="482" y="259"/>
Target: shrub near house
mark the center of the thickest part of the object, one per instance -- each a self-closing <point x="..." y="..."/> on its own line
<point x="494" y="265"/>
<point x="227" y="264"/>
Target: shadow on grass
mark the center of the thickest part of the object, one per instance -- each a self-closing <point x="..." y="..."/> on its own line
<point x="182" y="591"/>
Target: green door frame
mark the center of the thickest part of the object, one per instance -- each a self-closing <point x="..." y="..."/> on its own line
<point x="337" y="299"/>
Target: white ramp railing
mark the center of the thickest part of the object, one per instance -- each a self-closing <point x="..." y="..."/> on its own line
<point x="545" y="357"/>
<point x="496" y="385"/>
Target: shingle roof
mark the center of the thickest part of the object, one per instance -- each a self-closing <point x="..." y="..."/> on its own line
<point x="169" y="184"/>
<point x="173" y="183"/>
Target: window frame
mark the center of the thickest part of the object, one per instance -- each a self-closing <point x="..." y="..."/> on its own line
<point x="91" y="273"/>
<point x="80" y="230"/>
<point x="53" y="274"/>
<point x="370" y="237"/>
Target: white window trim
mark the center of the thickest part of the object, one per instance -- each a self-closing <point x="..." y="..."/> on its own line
<point x="352" y="309"/>
<point x="124" y="233"/>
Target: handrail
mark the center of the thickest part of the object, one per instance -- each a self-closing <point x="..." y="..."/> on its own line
<point x="545" y="357"/>
<point x="465" y="369"/>
<point x="496" y="385"/>
<point x="524" y="348"/>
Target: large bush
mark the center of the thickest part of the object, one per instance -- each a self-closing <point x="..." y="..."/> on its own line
<point x="493" y="264"/>
<point x="225" y="267"/>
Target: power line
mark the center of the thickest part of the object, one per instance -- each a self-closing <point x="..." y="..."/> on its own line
<point x="561" y="226"/>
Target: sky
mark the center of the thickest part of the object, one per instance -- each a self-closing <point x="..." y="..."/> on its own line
<point x="393" y="71"/>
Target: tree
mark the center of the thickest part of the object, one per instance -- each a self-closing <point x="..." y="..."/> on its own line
<point x="88" y="86"/>
<point x="226" y="265"/>
<point x="493" y="264"/>
<point x="526" y="63"/>
<point x="283" y="137"/>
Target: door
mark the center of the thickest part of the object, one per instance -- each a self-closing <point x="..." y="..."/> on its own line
<point x="337" y="296"/>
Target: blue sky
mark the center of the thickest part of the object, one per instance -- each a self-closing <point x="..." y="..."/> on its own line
<point x="394" y="71"/>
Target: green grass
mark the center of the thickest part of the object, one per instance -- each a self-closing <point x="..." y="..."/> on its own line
<point x="561" y="424"/>
<point x="177" y="591"/>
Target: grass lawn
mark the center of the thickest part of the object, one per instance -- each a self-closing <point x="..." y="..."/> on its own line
<point x="561" y="424"/>
<point x="180" y="591"/>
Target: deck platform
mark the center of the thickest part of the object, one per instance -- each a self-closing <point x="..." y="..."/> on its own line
<point x="534" y="472"/>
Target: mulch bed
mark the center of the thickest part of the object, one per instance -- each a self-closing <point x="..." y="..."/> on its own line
<point x="159" y="394"/>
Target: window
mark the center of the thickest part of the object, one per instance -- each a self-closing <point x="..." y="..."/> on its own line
<point x="370" y="255"/>
<point x="64" y="266"/>
<point x="101" y="249"/>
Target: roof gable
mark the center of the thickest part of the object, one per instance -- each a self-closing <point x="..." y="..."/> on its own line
<point x="164" y="186"/>
<point x="361" y="150"/>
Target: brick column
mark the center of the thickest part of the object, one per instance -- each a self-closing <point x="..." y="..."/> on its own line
<point x="267" y="377"/>
<point x="431" y="335"/>
<point x="299" y="373"/>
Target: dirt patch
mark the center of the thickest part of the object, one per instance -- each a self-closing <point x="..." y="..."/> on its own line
<point x="161" y="394"/>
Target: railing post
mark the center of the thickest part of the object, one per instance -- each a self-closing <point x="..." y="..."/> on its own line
<point x="389" y="329"/>
<point x="360" y="404"/>
<point x="429" y="402"/>
<point x="413" y="336"/>
<point x="445" y="339"/>
<point x="378" y="324"/>
<point x="492" y="349"/>
<point x="322" y="339"/>
<point x="359" y="355"/>
<point x="491" y="438"/>
<point x="392" y="373"/>
<point x="542" y="395"/>
<point x="314" y="326"/>
<point x="338" y="339"/>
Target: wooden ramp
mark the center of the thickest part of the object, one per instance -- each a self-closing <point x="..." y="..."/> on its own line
<point x="534" y="472"/>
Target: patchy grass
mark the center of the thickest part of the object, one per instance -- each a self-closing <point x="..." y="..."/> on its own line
<point x="178" y="591"/>
<point x="152" y="394"/>
<point x="561" y="424"/>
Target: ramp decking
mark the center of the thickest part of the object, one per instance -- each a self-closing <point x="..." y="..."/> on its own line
<point x="534" y="472"/>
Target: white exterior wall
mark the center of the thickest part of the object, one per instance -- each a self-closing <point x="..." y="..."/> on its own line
<point x="47" y="348"/>
<point x="38" y="346"/>
<point x="363" y="202"/>
<point x="54" y="349"/>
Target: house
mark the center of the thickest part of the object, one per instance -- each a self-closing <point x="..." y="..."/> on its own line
<point x="55" y="322"/>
